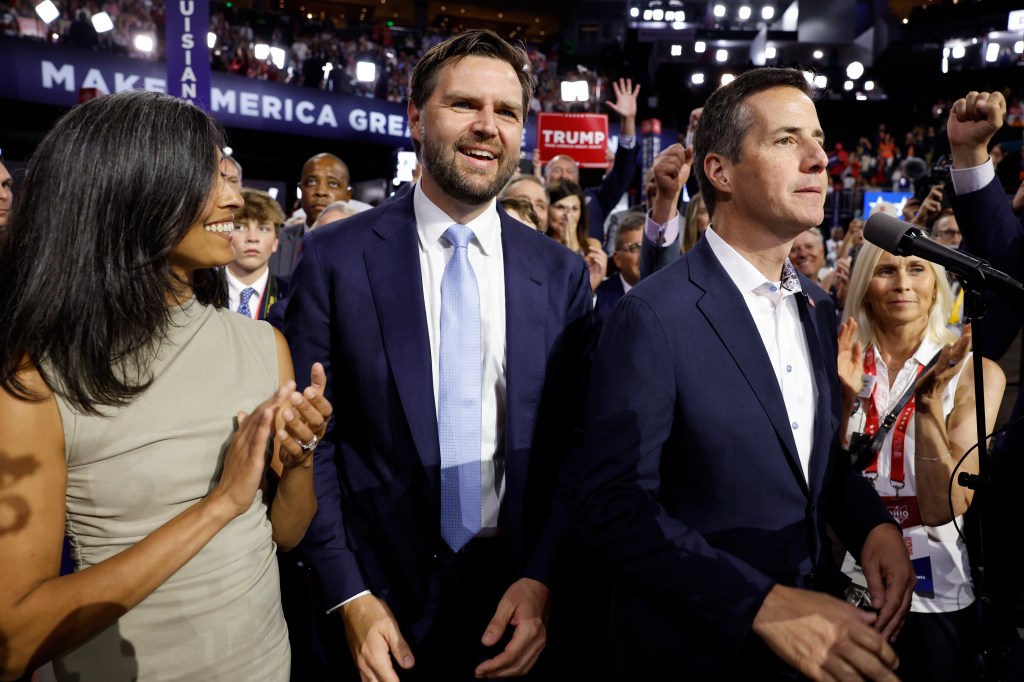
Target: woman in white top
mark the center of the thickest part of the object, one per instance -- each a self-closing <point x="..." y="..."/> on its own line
<point x="893" y="324"/>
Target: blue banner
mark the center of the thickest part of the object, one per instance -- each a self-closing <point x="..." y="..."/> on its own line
<point x="54" y="74"/>
<point x="188" y="57"/>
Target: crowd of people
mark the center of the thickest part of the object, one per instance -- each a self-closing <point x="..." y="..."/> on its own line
<point x="313" y="51"/>
<point x="444" y="415"/>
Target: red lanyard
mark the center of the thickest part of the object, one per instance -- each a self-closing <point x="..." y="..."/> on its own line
<point x="897" y="475"/>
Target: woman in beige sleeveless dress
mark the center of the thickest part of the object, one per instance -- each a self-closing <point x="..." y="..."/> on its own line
<point x="123" y="413"/>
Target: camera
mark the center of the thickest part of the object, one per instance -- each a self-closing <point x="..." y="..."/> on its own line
<point x="925" y="178"/>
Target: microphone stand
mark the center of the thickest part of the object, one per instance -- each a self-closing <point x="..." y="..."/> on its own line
<point x="994" y="600"/>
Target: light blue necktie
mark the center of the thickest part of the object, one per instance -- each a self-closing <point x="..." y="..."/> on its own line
<point x="243" y="305"/>
<point x="460" y="394"/>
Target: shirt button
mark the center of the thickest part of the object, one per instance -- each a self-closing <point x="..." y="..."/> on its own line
<point x="773" y="288"/>
<point x="795" y="425"/>
<point x="789" y="368"/>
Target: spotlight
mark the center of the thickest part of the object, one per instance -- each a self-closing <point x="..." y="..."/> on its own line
<point x="722" y="55"/>
<point x="855" y="70"/>
<point x="101" y="22"/>
<point x="144" y="43"/>
<point x="648" y="14"/>
<point x="818" y="54"/>
<point x="366" y="72"/>
<point x="699" y="46"/>
<point x="770" y="52"/>
<point x="677" y="50"/>
<point x="697" y="78"/>
<point x="678" y="25"/>
<point x="47" y="11"/>
<point x="211" y="40"/>
<point x="1018" y="47"/>
<point x="767" y="13"/>
<point x="869" y="86"/>
<point x="727" y="78"/>
<point x="277" y="56"/>
<point x="744" y="13"/>
<point x="575" y="91"/>
<point x="658" y="15"/>
<point x="821" y="80"/>
<point x="228" y="151"/>
<point x="958" y="52"/>
<point x="634" y="12"/>
<point x="992" y="52"/>
<point x="262" y="51"/>
<point x="719" y="11"/>
<point x="848" y="85"/>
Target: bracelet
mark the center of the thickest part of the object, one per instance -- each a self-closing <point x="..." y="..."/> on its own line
<point x="932" y="459"/>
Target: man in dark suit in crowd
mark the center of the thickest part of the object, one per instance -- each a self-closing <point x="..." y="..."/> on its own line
<point x="711" y="463"/>
<point x="325" y="179"/>
<point x="627" y="262"/>
<point x="990" y="230"/>
<point x="453" y="339"/>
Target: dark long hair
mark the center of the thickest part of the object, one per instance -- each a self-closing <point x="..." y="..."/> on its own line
<point x="85" y="274"/>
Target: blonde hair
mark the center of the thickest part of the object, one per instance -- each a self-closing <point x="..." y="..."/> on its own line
<point x="940" y="310"/>
<point x="690" y="232"/>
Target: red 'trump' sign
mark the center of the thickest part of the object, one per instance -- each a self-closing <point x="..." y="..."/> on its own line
<point x="584" y="137"/>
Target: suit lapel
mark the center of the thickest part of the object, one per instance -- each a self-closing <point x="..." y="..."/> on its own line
<point x="726" y="311"/>
<point x="526" y="310"/>
<point x="393" y="269"/>
<point x="824" y="428"/>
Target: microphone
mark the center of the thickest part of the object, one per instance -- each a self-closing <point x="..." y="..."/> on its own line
<point x="902" y="239"/>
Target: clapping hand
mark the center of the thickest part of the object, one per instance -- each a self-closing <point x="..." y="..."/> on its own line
<point x="302" y="420"/>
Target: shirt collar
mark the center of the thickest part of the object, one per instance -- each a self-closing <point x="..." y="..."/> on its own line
<point x="922" y="356"/>
<point x="744" y="275"/>
<point x="926" y="351"/>
<point x="626" y="286"/>
<point x="236" y="287"/>
<point x="431" y="223"/>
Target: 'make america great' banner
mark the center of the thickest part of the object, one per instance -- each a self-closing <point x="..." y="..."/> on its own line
<point x="584" y="137"/>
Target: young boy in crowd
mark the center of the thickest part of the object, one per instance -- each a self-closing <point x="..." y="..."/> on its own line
<point x="252" y="290"/>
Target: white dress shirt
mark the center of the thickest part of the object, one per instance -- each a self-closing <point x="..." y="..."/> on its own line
<point x="777" y="318"/>
<point x="967" y="180"/>
<point x="235" y="289"/>
<point x="486" y="258"/>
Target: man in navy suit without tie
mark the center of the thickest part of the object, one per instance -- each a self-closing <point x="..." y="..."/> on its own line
<point x="711" y="467"/>
<point x="453" y="339"/>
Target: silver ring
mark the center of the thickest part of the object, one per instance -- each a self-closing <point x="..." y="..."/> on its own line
<point x="311" y="445"/>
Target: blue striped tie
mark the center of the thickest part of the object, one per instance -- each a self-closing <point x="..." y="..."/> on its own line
<point x="243" y="306"/>
<point x="459" y="395"/>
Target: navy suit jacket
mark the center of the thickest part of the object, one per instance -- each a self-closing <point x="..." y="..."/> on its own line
<point x="692" y="488"/>
<point x="608" y="294"/>
<point x="282" y="260"/>
<point x="357" y="305"/>
<point x="992" y="232"/>
<point x="277" y="289"/>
